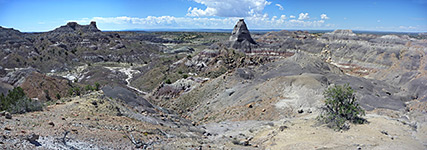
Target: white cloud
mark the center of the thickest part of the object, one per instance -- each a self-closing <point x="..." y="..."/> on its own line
<point x="283" y="17"/>
<point x="229" y="8"/>
<point x="292" y="16"/>
<point x="273" y="18"/>
<point x="407" y="27"/>
<point x="171" y="22"/>
<point x="280" y="6"/>
<point x="303" y="16"/>
<point x="324" y="17"/>
<point x="305" y="24"/>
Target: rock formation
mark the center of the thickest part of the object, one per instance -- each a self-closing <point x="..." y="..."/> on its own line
<point x="74" y="26"/>
<point x="340" y="34"/>
<point x="241" y="38"/>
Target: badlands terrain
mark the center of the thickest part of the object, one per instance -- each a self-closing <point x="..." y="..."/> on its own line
<point x="209" y="90"/>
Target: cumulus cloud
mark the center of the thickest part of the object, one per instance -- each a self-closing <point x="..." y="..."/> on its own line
<point x="407" y="27"/>
<point x="324" y="17"/>
<point x="283" y="17"/>
<point x="229" y="8"/>
<point x="280" y="6"/>
<point x="303" y="16"/>
<point x="171" y="22"/>
<point x="292" y="16"/>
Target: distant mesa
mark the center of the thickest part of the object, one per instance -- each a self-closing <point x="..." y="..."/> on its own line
<point x="240" y="37"/>
<point x="75" y="27"/>
<point x="344" y="32"/>
<point x="340" y="34"/>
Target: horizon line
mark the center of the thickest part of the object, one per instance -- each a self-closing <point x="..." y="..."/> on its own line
<point x="228" y="29"/>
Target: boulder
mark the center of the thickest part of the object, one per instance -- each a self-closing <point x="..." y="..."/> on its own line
<point x="184" y="49"/>
<point x="7" y="115"/>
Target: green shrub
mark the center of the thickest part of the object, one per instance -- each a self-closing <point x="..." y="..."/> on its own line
<point x="97" y="85"/>
<point x="168" y="81"/>
<point x="185" y="76"/>
<point x="71" y="91"/>
<point x="17" y="102"/>
<point x="88" y="88"/>
<point x="47" y="95"/>
<point x="58" y="96"/>
<point x="77" y="91"/>
<point x="340" y="108"/>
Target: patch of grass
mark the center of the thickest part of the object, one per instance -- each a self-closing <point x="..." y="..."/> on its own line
<point x="340" y="108"/>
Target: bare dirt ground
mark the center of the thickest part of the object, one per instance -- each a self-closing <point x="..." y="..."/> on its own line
<point x="380" y="133"/>
<point x="92" y="122"/>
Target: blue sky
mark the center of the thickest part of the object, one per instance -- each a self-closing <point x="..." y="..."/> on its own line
<point x="373" y="15"/>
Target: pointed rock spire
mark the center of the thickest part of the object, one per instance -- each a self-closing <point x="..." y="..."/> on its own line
<point x="240" y="37"/>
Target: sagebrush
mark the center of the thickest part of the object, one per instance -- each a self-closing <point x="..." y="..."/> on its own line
<point x="341" y="107"/>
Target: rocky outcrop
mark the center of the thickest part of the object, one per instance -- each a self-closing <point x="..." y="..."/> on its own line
<point x="184" y="49"/>
<point x="75" y="27"/>
<point x="241" y="38"/>
<point x="16" y="78"/>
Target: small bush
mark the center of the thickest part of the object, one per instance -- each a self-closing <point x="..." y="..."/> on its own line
<point x="88" y="88"/>
<point x="168" y="81"/>
<point x="46" y="92"/>
<point x="17" y="102"/>
<point x="77" y="91"/>
<point x="71" y="91"/>
<point x="58" y="96"/>
<point x="340" y="108"/>
<point x="185" y="76"/>
<point x="97" y="85"/>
